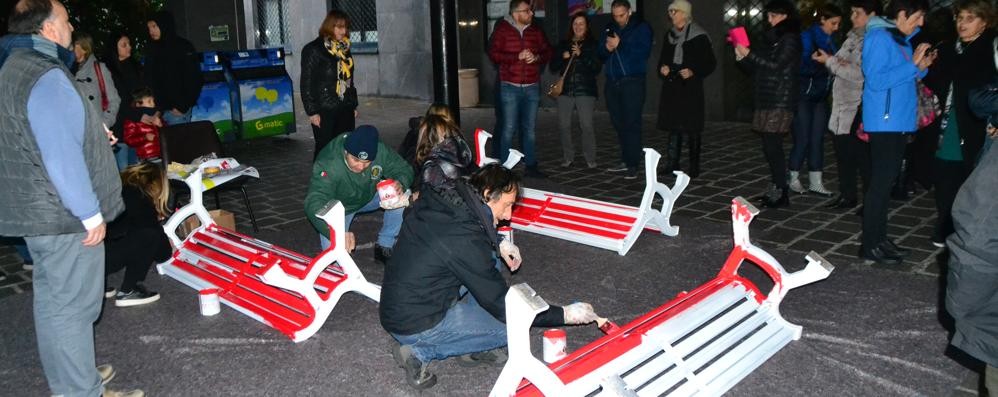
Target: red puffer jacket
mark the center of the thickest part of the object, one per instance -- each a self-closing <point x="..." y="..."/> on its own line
<point x="505" y="46"/>
<point x="135" y="136"/>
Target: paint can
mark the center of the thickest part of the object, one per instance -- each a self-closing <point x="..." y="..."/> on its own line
<point x="387" y="192"/>
<point x="555" y="343"/>
<point x="506" y="232"/>
<point x="209" y="301"/>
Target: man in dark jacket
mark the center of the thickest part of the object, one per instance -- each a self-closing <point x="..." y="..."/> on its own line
<point x="519" y="48"/>
<point x="972" y="285"/>
<point x="60" y="187"/>
<point x="172" y="69"/>
<point x="446" y="249"/>
<point x="624" y="47"/>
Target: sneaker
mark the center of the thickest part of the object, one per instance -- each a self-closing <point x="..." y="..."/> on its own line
<point x="382" y="254"/>
<point x="416" y="373"/>
<point x="137" y="296"/>
<point x="796" y="186"/>
<point x="566" y="163"/>
<point x="618" y="168"/>
<point x="106" y="373"/>
<point x="534" y="172"/>
<point x="631" y="173"/>
<point x="28" y="266"/>
<point x="119" y="393"/>
<point x="110" y="292"/>
<point x="938" y="242"/>
<point x="491" y="358"/>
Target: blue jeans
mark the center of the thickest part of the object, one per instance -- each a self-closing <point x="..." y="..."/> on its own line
<point x="466" y="328"/>
<point x="171" y="119"/>
<point x="68" y="283"/>
<point x="519" y="113"/>
<point x="390" y="226"/>
<point x="625" y="99"/>
<point x="810" y="124"/>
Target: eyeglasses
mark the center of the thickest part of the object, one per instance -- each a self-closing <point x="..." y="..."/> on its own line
<point x="527" y="10"/>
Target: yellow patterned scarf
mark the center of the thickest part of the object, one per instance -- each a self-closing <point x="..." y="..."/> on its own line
<point x="344" y="69"/>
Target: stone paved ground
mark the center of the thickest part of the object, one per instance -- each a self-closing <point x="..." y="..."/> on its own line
<point x="732" y="164"/>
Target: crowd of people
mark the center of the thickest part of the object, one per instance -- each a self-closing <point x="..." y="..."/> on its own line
<point x="443" y="288"/>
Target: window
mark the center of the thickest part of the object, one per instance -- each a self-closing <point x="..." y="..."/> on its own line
<point x="271" y="21"/>
<point x="363" y="24"/>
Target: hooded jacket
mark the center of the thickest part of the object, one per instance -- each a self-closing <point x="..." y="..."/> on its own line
<point x="889" y="97"/>
<point x="172" y="67"/>
<point x="506" y="44"/>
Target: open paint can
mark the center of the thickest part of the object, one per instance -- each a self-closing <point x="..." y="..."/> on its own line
<point x="555" y="343"/>
<point x="209" y="301"/>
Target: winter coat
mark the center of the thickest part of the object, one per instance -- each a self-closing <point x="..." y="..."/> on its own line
<point x="172" y="68"/>
<point x="127" y="77"/>
<point x="505" y="46"/>
<point x="442" y="246"/>
<point x="962" y="72"/>
<point x="447" y="162"/>
<point x="681" y="102"/>
<point x="775" y="65"/>
<point x="581" y="79"/>
<point x="318" y="80"/>
<point x="889" y="98"/>
<point x="332" y="180"/>
<point x="847" y="88"/>
<point x="89" y="84"/>
<point x="135" y="136"/>
<point x="971" y="295"/>
<point x="815" y="81"/>
<point x="630" y="58"/>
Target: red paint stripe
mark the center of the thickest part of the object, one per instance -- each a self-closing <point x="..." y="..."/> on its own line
<point x="557" y="223"/>
<point x="579" y="210"/>
<point x="526" y="214"/>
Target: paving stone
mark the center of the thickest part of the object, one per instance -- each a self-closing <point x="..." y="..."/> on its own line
<point x="829" y="236"/>
<point x="807" y="245"/>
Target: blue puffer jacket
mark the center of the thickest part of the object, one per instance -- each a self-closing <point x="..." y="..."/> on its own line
<point x="889" y="97"/>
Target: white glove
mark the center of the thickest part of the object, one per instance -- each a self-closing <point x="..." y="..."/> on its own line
<point x="510" y="254"/>
<point x="579" y="313"/>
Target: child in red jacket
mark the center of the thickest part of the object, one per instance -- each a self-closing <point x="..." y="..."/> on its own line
<point x="142" y="125"/>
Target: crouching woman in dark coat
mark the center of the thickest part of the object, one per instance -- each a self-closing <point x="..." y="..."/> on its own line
<point x="687" y="59"/>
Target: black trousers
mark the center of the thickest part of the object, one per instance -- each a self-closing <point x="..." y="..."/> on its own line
<point x="135" y="251"/>
<point x="886" y="153"/>
<point x="853" y="158"/>
<point x="331" y="124"/>
<point x="947" y="177"/>
<point x="772" y="149"/>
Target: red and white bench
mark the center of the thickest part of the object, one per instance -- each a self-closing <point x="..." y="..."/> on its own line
<point x="701" y="343"/>
<point x="592" y="222"/>
<point x="288" y="291"/>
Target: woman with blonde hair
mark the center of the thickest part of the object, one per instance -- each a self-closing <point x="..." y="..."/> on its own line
<point x="135" y="240"/>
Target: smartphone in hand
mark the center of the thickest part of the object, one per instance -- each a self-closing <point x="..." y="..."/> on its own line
<point x="610" y="32"/>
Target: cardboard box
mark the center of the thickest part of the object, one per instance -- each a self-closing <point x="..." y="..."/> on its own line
<point x="222" y="218"/>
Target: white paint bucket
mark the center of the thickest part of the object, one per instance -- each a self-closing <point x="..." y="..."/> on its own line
<point x="209" y="301"/>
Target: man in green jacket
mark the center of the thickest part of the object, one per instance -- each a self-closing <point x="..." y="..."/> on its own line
<point x="348" y="169"/>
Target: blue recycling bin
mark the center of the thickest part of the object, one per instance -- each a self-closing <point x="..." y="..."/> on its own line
<point x="266" y="93"/>
<point x="218" y="97"/>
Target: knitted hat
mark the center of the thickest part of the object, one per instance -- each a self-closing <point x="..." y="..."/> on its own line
<point x="682" y="5"/>
<point x="363" y="142"/>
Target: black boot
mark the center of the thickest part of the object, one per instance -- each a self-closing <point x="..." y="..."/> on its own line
<point x="777" y="197"/>
<point x="674" y="150"/>
<point x="695" y="142"/>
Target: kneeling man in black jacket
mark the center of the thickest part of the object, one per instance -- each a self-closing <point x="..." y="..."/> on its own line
<point x="447" y="248"/>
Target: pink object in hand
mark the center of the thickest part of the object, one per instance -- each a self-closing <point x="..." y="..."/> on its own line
<point x="738" y="36"/>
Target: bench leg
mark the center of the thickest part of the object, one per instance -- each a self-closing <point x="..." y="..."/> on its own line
<point x="522" y="305"/>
